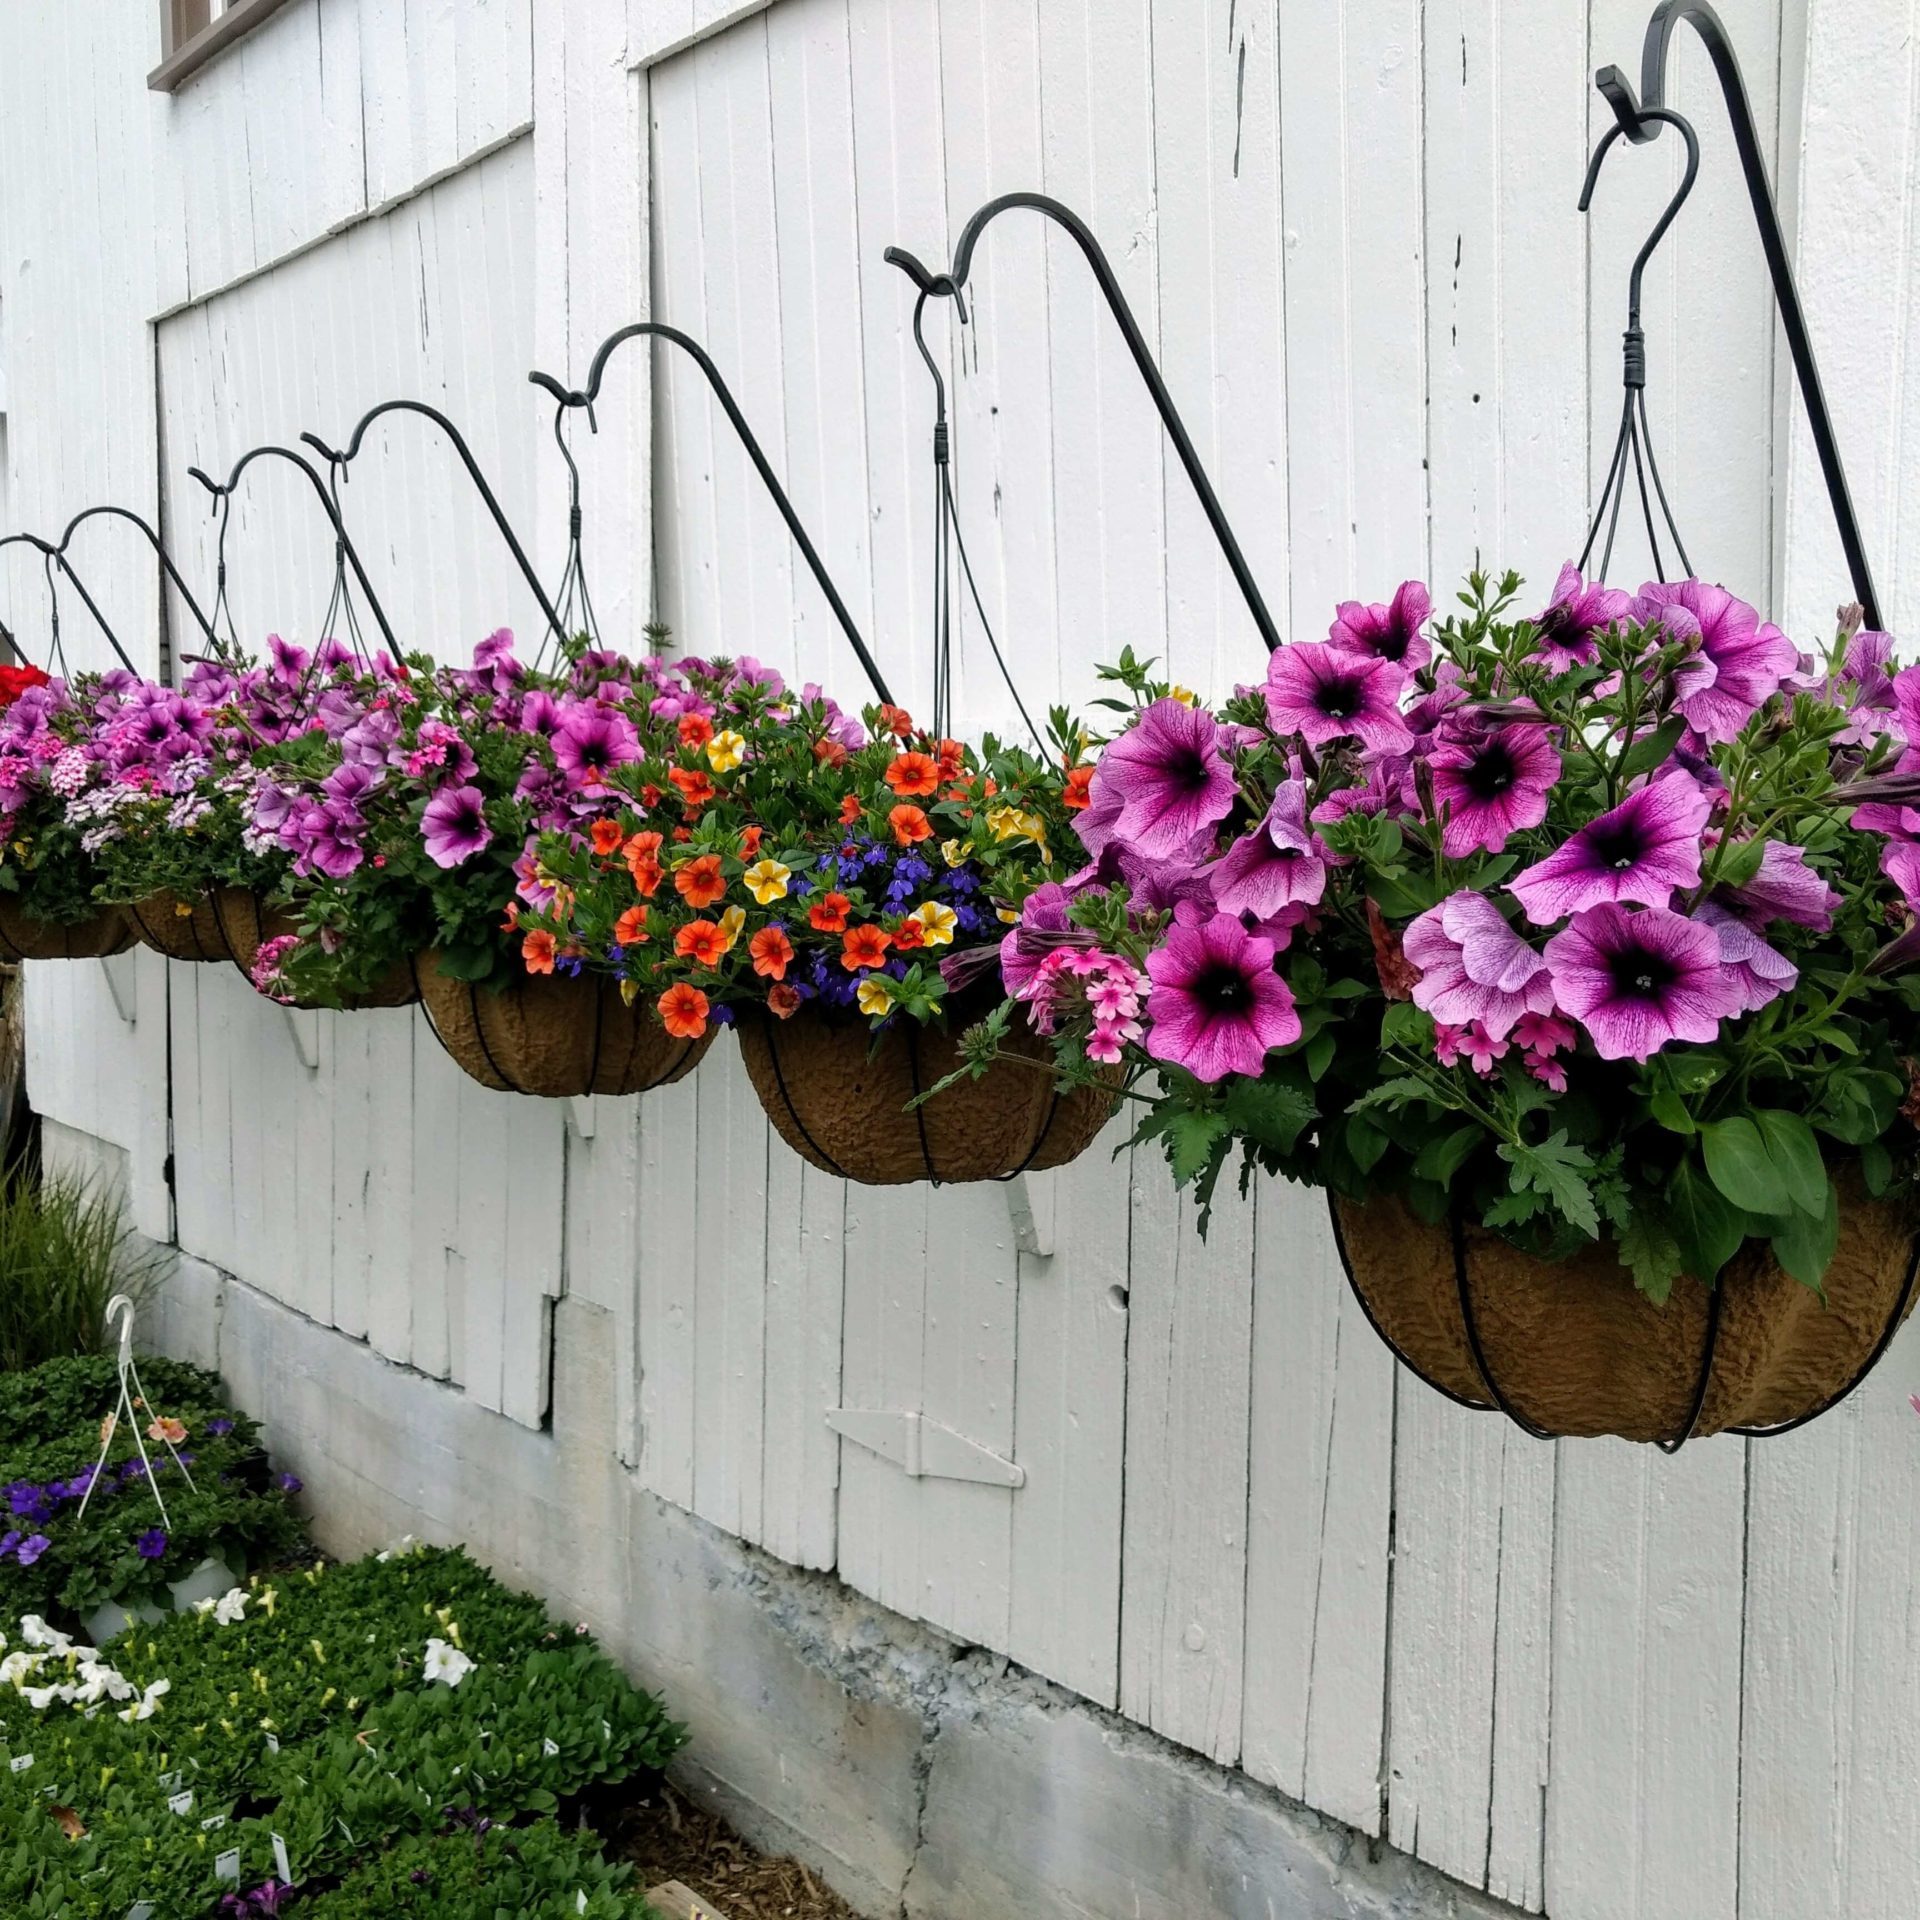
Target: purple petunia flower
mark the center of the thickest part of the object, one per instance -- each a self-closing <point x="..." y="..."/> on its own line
<point x="1281" y="864"/>
<point x="1216" y="1004"/>
<point x="31" y="1548"/>
<point x="1759" y="973"/>
<point x="1566" y="630"/>
<point x="1323" y="693"/>
<point x="1161" y="785"/>
<point x="1387" y="633"/>
<point x="1642" y="850"/>
<point x="219" y="1429"/>
<point x="1638" y="981"/>
<point x="1785" y="888"/>
<point x="1492" y="786"/>
<point x="152" y="1544"/>
<point x="455" y="826"/>
<point x="591" y="741"/>
<point x="1741" y="662"/>
<point x="289" y="1482"/>
<point x="1474" y="967"/>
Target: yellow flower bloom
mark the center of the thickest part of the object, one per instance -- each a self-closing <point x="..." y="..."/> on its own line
<point x="732" y="924"/>
<point x="876" y="996"/>
<point x="1009" y="915"/>
<point x="1185" y="695"/>
<point x="725" y="751"/>
<point x="936" y="923"/>
<point x="629" y="992"/>
<point x="1015" y="823"/>
<point x="953" y="852"/>
<point x="767" y="880"/>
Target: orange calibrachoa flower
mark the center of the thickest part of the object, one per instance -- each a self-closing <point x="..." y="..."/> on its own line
<point x="849" y="809"/>
<point x="783" y="1002"/>
<point x="695" y="784"/>
<point x="643" y="849"/>
<point x="908" y="935"/>
<point x="897" y="721"/>
<point x="695" y="730"/>
<point x="953" y="759"/>
<point x="700" y="882"/>
<point x="703" y="942"/>
<point x="771" y="950"/>
<point x="607" y="836"/>
<point x="750" y="838"/>
<point x="830" y="753"/>
<point x="630" y="930"/>
<point x="863" y="947"/>
<point x="830" y="914"/>
<point x="537" y="951"/>
<point x="650" y="796"/>
<point x="683" y="1011"/>
<point x="1078" y="792"/>
<point x="914" y="773"/>
<point x="909" y="824"/>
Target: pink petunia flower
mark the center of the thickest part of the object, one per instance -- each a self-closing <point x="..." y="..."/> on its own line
<point x="1742" y="660"/>
<point x="1639" y="981"/>
<point x="1323" y="692"/>
<point x="1161" y="785"/>
<point x="1474" y="967"/>
<point x="1758" y="972"/>
<point x="1282" y="863"/>
<point x="454" y="826"/>
<point x="1492" y="786"/>
<point x="1642" y="850"/>
<point x="1216" y="1005"/>
<point x="1387" y="633"/>
<point x="1785" y="888"/>
<point x="1567" y="629"/>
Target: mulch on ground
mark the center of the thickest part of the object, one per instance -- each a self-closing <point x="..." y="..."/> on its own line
<point x="670" y="1837"/>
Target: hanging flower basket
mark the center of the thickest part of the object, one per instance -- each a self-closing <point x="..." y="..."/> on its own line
<point x="844" y="1101"/>
<point x="1573" y="1348"/>
<point x="553" y="1035"/>
<point x="180" y="928"/>
<point x="25" y="937"/>
<point x="246" y="922"/>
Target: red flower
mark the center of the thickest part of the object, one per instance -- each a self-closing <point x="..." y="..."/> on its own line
<point x="750" y="838"/>
<point x="696" y="789"/>
<point x="830" y="753"/>
<point x="829" y="915"/>
<point x="909" y="824"/>
<point x="783" y="1002"/>
<point x="771" y="950"/>
<point x="683" y="1011"/>
<point x="537" y="951"/>
<point x="700" y="882"/>
<point x="1078" y="794"/>
<point x="849" y="809"/>
<point x="863" y="947"/>
<point x="897" y="721"/>
<point x="630" y="930"/>
<point x="606" y="836"/>
<point x="702" y="942"/>
<point x="14" y="681"/>
<point x="695" y="730"/>
<point x="914" y="773"/>
<point x="953" y="759"/>
<point x="908" y="935"/>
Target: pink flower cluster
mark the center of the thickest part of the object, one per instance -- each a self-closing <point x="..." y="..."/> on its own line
<point x="1108" y="987"/>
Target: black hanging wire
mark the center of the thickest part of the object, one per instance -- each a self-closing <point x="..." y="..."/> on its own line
<point x="1640" y="120"/>
<point x="339" y="461"/>
<point x="948" y="540"/>
<point x="1634" y="442"/>
<point x="51" y="558"/>
<point x="584" y="398"/>
<point x="952" y="284"/>
<point x="576" y="603"/>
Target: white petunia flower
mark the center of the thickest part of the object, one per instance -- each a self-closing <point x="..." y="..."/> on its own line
<point x="445" y="1663"/>
<point x="142" y="1709"/>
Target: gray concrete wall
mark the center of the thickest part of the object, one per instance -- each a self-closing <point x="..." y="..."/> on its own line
<point x="923" y="1779"/>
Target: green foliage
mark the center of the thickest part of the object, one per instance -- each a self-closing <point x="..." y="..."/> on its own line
<point x="65" y="1251"/>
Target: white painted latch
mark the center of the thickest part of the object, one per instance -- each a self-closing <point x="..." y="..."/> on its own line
<point x="924" y="1448"/>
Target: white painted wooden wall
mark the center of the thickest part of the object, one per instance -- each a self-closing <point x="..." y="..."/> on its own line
<point x="1598" y="1682"/>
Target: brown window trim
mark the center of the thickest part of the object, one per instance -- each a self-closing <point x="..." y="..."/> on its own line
<point x="186" y="47"/>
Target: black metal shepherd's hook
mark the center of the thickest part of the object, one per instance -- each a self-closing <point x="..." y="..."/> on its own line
<point x="338" y="462"/>
<point x="222" y="502"/>
<point x="954" y="280"/>
<point x="153" y="540"/>
<point x="659" y="330"/>
<point x="52" y="557"/>
<point x="1635" y="435"/>
<point x="1640" y="120"/>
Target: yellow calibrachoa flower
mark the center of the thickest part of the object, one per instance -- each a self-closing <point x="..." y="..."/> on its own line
<point x="936" y="923"/>
<point x="1009" y="914"/>
<point x="767" y="880"/>
<point x="1015" y="823"/>
<point x="876" y="996"/>
<point x="1185" y="695"/>
<point x="953" y="852"/>
<point x="732" y="924"/>
<point x="726" y="750"/>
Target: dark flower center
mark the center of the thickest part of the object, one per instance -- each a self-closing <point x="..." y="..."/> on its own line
<point x="1392" y="641"/>
<point x="1221" y="988"/>
<point x="1557" y="623"/>
<point x="1639" y="974"/>
<point x="1338" y="699"/>
<point x="1187" y="770"/>
<point x="1618" y="846"/>
<point x="1492" y="771"/>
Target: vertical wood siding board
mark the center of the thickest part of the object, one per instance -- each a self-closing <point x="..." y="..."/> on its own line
<point x="390" y="1132"/>
<point x="433" y="1121"/>
<point x="352" y="1176"/>
<point x="668" y="1292"/>
<point x="480" y="1235"/>
<point x="535" y="1207"/>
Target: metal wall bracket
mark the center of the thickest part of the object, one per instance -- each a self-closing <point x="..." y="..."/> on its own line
<point x="1033" y="1207"/>
<point x="306" y="1040"/>
<point x="586" y="1116"/>
<point x="118" y="968"/>
<point x="923" y="1449"/>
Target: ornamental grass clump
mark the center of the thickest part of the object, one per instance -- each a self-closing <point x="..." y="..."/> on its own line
<point x="65" y="1250"/>
<point x="1590" y="923"/>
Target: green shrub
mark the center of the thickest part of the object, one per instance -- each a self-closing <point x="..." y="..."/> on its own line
<point x="60" y="1397"/>
<point x="65" y="1251"/>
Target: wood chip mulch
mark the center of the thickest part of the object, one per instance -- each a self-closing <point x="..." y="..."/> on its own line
<point x="670" y="1837"/>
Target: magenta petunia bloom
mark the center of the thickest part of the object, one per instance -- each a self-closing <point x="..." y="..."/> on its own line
<point x="1566" y="630"/>
<point x="1318" y="691"/>
<point x="1785" y="888"/>
<point x="1474" y="967"/>
<point x="1216" y="1005"/>
<point x="1161" y="785"/>
<point x="1742" y="660"/>
<point x="1638" y="981"/>
<point x="591" y="741"/>
<point x="1491" y="786"/>
<point x="1643" y="850"/>
<point x="1758" y="972"/>
<point x="455" y="826"/>
<point x="1282" y="863"/>
<point x="1387" y="633"/>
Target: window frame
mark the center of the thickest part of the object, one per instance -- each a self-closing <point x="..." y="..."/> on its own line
<point x="191" y="34"/>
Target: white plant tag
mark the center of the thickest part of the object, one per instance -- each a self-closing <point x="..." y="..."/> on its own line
<point x="20" y="1763"/>
<point x="213" y="1823"/>
<point x="226" y="1866"/>
<point x="549" y="1748"/>
<point x="282" y="1866"/>
<point x="273" y="1743"/>
<point x="181" y="1803"/>
<point x="169" y="1783"/>
<point x="144" y="1911"/>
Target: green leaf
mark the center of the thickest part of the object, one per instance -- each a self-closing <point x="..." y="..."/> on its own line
<point x="1741" y="864"/>
<point x="1705" y="1228"/>
<point x="1192" y="1138"/>
<point x="1404" y="1025"/>
<point x="1269" y="1113"/>
<point x="1396" y="1093"/>
<point x="1795" y="1154"/>
<point x="1805" y="1244"/>
<point x="1320" y="1052"/>
<point x="1650" y="1252"/>
<point x="1671" y="1111"/>
<point x="1398" y="896"/>
<point x="1441" y="1159"/>
<point x="1561" y="1173"/>
<point x="1365" y="1142"/>
<point x="1739" y="1164"/>
<point x="1652" y="749"/>
<point x="1876" y="1167"/>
